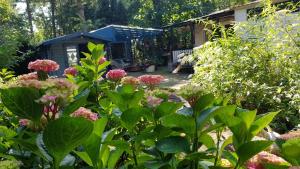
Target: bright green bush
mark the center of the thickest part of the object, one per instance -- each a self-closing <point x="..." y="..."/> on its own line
<point x="258" y="65"/>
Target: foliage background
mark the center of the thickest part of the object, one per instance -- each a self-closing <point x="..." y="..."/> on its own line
<point x="258" y="66"/>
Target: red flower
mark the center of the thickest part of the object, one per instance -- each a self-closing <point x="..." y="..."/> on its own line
<point x="43" y="65"/>
<point x="29" y="76"/>
<point x="70" y="71"/>
<point x="151" y="80"/>
<point x="102" y="60"/>
<point x="116" y="74"/>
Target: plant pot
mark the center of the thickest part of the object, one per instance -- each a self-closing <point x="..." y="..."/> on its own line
<point x="150" y="69"/>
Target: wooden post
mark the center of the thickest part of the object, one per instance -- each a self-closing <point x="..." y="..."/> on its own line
<point x="171" y="42"/>
<point x="192" y="27"/>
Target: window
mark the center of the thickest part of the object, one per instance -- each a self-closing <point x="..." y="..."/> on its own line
<point x="72" y="55"/>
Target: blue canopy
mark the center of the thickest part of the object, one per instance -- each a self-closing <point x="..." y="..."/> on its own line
<point x="110" y="33"/>
<point x="118" y="33"/>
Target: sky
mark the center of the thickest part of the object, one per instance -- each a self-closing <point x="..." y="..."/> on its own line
<point x="21" y="7"/>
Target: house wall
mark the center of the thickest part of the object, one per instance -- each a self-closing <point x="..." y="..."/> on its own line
<point x="240" y="15"/>
<point x="199" y="35"/>
<point x="58" y="53"/>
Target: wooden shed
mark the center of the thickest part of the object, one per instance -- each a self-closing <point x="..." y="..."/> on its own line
<point x="66" y="50"/>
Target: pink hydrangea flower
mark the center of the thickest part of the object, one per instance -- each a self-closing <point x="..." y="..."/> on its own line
<point x="130" y="80"/>
<point x="251" y="165"/>
<point x="29" y="76"/>
<point x="151" y="80"/>
<point x="70" y="71"/>
<point x="24" y="122"/>
<point x="102" y="60"/>
<point x="31" y="83"/>
<point x="153" y="101"/>
<point x="264" y="157"/>
<point x="61" y="83"/>
<point x="48" y="98"/>
<point x="290" y="135"/>
<point x="43" y="65"/>
<point x="85" y="113"/>
<point x="116" y="74"/>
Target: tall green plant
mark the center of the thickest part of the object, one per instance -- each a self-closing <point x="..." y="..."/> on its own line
<point x="257" y="65"/>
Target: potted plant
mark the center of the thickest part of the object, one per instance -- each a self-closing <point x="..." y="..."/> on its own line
<point x="149" y="66"/>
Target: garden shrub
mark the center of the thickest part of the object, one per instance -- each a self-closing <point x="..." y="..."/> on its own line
<point x="87" y="121"/>
<point x="257" y="66"/>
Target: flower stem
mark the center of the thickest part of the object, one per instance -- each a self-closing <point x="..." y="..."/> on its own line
<point x="219" y="133"/>
<point x="133" y="154"/>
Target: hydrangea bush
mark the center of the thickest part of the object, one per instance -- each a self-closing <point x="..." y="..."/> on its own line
<point x="105" y="120"/>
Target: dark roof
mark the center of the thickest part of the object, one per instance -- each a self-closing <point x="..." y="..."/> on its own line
<point x="117" y="33"/>
<point x="224" y="12"/>
<point x="110" y="33"/>
<point x="73" y="36"/>
<point x="214" y="15"/>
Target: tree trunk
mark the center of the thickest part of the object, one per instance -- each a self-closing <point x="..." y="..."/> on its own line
<point x="81" y="15"/>
<point x="53" y="5"/>
<point x="29" y="15"/>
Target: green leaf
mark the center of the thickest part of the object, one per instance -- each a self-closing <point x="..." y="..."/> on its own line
<point x="261" y="123"/>
<point x="166" y="108"/>
<point x="207" y="140"/>
<point x="116" y="99"/>
<point x="92" y="148"/>
<point x="85" y="157"/>
<point x="251" y="148"/>
<point x="80" y="101"/>
<point x="247" y="117"/>
<point x="155" y="164"/>
<point x="205" y="115"/>
<point x="93" y="143"/>
<point x="87" y="55"/>
<point x="224" y="144"/>
<point x="105" y="150"/>
<point x="114" y="157"/>
<point x="22" y="102"/>
<point x="131" y="116"/>
<point x="291" y="149"/>
<point x="91" y="46"/>
<point x="63" y="135"/>
<point x="199" y="155"/>
<point x="225" y="111"/>
<point x="98" y="52"/>
<point x="173" y="144"/>
<point x="33" y="144"/>
<point x="176" y="120"/>
<point x="204" y="102"/>
<point x="7" y="133"/>
<point x="99" y="126"/>
<point x="135" y="100"/>
<point x="276" y="166"/>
